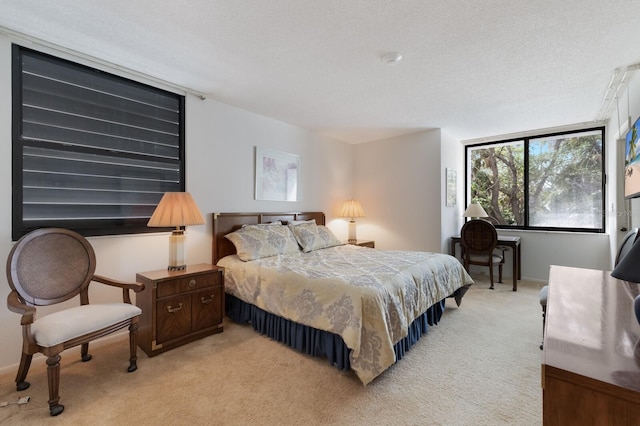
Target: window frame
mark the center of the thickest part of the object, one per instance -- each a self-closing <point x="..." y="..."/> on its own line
<point x="85" y="226"/>
<point x="525" y="140"/>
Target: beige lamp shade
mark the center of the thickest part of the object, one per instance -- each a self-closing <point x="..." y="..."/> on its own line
<point x="475" y="210"/>
<point x="352" y="208"/>
<point x="176" y="209"/>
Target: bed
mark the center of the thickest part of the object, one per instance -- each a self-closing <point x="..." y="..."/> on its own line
<point x="360" y="308"/>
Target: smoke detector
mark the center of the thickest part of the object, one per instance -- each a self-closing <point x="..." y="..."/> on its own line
<point x="391" y="58"/>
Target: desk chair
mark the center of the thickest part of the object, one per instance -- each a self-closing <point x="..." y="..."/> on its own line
<point x="50" y="266"/>
<point x="479" y="240"/>
<point x="625" y="246"/>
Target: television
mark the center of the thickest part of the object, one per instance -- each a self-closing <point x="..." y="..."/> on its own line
<point x="632" y="162"/>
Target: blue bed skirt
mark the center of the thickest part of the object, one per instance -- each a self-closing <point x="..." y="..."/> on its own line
<point x="316" y="342"/>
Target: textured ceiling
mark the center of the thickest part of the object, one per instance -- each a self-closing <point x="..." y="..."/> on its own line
<point x="472" y="68"/>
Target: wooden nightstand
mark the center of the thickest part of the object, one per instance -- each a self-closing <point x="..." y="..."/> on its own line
<point x="365" y="243"/>
<point x="179" y="306"/>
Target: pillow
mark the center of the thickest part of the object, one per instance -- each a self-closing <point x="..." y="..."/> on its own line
<point x="263" y="240"/>
<point x="328" y="238"/>
<point x="298" y="222"/>
<point x="262" y="225"/>
<point x="313" y="237"/>
<point x="306" y="233"/>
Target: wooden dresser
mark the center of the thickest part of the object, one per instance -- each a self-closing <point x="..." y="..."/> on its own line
<point x="591" y="359"/>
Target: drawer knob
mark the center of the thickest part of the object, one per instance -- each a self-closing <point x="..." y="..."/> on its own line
<point x="207" y="301"/>
<point x="192" y="283"/>
<point x="172" y="310"/>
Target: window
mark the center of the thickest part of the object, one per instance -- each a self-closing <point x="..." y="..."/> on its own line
<point x="546" y="182"/>
<point x="92" y="151"/>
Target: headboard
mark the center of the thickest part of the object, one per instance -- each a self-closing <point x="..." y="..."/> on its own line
<point x="224" y="223"/>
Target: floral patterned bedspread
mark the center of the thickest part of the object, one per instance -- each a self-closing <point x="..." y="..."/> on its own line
<point x="367" y="296"/>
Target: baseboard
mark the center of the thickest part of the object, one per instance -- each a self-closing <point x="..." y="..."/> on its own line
<point x="508" y="279"/>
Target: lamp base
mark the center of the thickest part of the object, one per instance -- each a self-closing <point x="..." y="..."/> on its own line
<point x="176" y="251"/>
<point x="352" y="232"/>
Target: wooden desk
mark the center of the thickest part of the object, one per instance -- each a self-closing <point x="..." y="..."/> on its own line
<point x="591" y="362"/>
<point x="503" y="240"/>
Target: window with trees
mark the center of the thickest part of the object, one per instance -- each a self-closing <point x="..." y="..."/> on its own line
<point x="92" y="151"/>
<point x="547" y="182"/>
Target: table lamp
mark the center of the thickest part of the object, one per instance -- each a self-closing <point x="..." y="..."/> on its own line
<point x="176" y="209"/>
<point x="475" y="211"/>
<point x="352" y="209"/>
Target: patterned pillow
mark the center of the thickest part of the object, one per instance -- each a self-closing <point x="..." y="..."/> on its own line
<point x="328" y="238"/>
<point x="313" y="237"/>
<point x="306" y="233"/>
<point x="263" y="240"/>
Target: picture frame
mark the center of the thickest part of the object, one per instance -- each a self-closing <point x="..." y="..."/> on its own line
<point x="451" y="187"/>
<point x="277" y="175"/>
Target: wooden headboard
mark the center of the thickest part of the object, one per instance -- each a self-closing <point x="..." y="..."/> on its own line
<point x="224" y="223"/>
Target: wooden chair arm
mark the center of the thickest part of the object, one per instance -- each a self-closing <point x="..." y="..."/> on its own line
<point x="15" y="305"/>
<point x="136" y="287"/>
<point x="125" y="286"/>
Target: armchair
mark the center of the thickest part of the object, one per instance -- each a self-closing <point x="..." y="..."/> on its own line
<point x="50" y="266"/>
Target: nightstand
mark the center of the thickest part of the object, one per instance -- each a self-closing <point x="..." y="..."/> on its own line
<point x="179" y="306"/>
<point x="365" y="243"/>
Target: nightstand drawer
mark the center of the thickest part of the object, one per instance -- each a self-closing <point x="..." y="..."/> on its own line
<point x="173" y="318"/>
<point x="206" y="308"/>
<point x="181" y="285"/>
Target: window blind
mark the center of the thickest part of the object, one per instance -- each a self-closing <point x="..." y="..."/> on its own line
<point x="93" y="151"/>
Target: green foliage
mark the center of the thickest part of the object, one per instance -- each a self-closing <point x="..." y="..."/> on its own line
<point x="564" y="181"/>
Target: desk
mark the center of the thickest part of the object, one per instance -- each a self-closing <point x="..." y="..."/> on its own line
<point x="590" y="364"/>
<point x="503" y="240"/>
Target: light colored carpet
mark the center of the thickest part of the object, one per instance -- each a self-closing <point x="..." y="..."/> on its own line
<point x="479" y="366"/>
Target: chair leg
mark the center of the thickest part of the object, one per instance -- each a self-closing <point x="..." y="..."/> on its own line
<point x="544" y="320"/>
<point x="500" y="273"/>
<point x="491" y="276"/>
<point x="84" y="352"/>
<point x="133" y="347"/>
<point x="53" y="376"/>
<point x="25" y="363"/>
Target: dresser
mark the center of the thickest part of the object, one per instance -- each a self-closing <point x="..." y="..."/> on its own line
<point x="179" y="306"/>
<point x="591" y="358"/>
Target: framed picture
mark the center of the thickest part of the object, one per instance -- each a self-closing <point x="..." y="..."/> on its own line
<point x="277" y="175"/>
<point x="452" y="188"/>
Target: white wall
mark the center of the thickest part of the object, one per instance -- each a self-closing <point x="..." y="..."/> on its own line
<point x="220" y="143"/>
<point x="451" y="157"/>
<point x="398" y="181"/>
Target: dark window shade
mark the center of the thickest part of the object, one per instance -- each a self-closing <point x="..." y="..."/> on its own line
<point x="91" y="151"/>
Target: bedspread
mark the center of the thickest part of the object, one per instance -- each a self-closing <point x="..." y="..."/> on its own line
<point x="368" y="297"/>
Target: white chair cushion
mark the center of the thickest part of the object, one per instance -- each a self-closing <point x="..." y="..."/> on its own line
<point x="62" y="326"/>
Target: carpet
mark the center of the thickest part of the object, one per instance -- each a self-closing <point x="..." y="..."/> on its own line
<point x="479" y="366"/>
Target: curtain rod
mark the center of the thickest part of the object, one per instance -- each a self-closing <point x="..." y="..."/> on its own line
<point x="618" y="83"/>
<point x="54" y="48"/>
